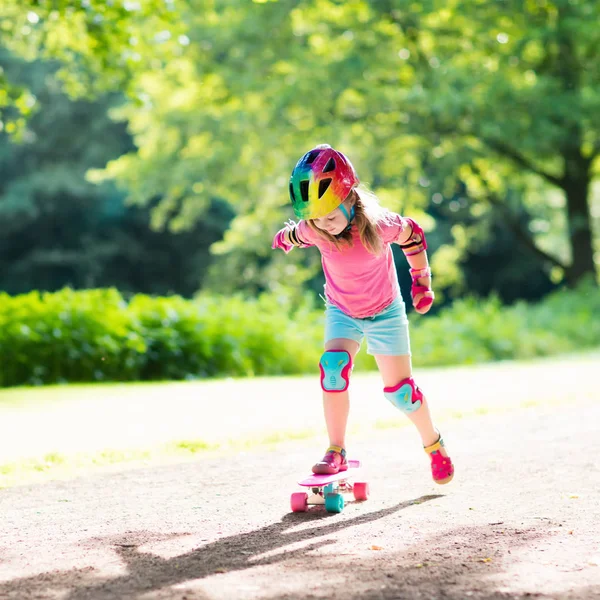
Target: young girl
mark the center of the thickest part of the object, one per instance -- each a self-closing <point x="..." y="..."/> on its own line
<point x="353" y="234"/>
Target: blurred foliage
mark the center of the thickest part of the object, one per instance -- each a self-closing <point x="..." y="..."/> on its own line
<point x="478" y="119"/>
<point x="477" y="106"/>
<point x="474" y="331"/>
<point x="101" y="45"/>
<point x="96" y="335"/>
<point x="57" y="229"/>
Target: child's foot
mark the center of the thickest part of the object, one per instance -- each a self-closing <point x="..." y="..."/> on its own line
<point x="333" y="462"/>
<point x="442" y="468"/>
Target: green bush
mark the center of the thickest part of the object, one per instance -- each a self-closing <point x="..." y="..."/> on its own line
<point x="95" y="335"/>
<point x="67" y="336"/>
<point x="474" y="331"/>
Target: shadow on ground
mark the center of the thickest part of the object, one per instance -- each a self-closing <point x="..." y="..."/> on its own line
<point x="449" y="566"/>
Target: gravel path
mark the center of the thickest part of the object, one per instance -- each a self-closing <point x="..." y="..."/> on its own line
<point x="520" y="520"/>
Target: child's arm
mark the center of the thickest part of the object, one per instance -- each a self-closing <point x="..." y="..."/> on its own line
<point x="288" y="237"/>
<point x="414" y="245"/>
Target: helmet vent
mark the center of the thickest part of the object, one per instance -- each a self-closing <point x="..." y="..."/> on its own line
<point x="304" y="190"/>
<point x="330" y="166"/>
<point x="312" y="155"/>
<point x="292" y="195"/>
<point x="323" y="185"/>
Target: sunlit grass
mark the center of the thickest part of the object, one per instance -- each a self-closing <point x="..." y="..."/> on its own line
<point x="171" y="438"/>
<point x="192" y="446"/>
<point x="63" y="466"/>
<point x="60" y="394"/>
<point x="478" y="411"/>
<point x="57" y="465"/>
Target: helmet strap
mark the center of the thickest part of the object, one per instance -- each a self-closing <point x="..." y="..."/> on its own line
<point x="348" y="216"/>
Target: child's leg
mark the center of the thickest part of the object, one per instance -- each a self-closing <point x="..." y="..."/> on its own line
<point x="401" y="390"/>
<point x="336" y="405"/>
<point x="388" y="340"/>
<point x="395" y="369"/>
<point x="336" y="367"/>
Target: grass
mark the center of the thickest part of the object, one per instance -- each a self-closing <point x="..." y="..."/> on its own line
<point x="62" y="412"/>
<point x="478" y="411"/>
<point x="59" y="394"/>
<point x="55" y="465"/>
<point x="31" y="396"/>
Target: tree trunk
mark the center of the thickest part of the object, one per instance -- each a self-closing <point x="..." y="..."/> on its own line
<point x="577" y="168"/>
<point x="579" y="230"/>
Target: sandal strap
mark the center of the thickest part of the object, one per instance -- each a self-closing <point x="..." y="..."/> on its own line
<point x="337" y="449"/>
<point x="435" y="447"/>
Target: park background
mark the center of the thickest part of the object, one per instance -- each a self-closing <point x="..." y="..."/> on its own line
<point x="145" y="152"/>
<point x="145" y="149"/>
<point x="155" y="352"/>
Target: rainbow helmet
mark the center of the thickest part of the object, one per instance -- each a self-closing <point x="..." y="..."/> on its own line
<point x="320" y="182"/>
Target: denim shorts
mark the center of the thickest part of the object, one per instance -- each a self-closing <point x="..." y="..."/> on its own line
<point x="386" y="332"/>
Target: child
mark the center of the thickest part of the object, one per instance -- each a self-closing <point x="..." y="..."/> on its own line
<point x="353" y="234"/>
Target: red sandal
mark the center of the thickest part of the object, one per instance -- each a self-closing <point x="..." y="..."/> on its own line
<point x="442" y="468"/>
<point x="333" y="462"/>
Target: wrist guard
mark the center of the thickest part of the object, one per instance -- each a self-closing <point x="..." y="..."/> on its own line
<point x="287" y="238"/>
<point x="418" y="288"/>
<point x="293" y="235"/>
<point x="416" y="242"/>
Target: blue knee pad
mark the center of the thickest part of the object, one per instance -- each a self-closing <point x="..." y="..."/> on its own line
<point x="405" y="396"/>
<point x="335" y="368"/>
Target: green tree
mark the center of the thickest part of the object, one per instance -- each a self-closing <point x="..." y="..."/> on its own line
<point x="515" y="86"/>
<point x="58" y="229"/>
<point x="500" y="97"/>
<point x="101" y="45"/>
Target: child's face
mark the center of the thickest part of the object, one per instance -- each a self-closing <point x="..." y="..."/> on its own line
<point x="333" y="223"/>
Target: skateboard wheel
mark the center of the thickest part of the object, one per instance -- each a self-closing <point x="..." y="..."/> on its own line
<point x="334" y="503"/>
<point x="299" y="502"/>
<point x="361" y="491"/>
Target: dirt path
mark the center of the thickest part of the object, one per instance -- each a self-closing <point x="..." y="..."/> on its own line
<point x="520" y="520"/>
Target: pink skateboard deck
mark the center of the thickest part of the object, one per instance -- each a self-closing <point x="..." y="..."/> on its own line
<point x="329" y="490"/>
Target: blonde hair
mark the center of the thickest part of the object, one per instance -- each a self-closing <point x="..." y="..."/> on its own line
<point x="368" y="215"/>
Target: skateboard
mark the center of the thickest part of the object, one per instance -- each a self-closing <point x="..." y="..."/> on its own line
<point x="329" y="490"/>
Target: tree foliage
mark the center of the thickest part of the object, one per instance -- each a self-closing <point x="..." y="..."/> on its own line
<point x="483" y="113"/>
<point x="101" y="45"/>
<point x="58" y="229"/>
<point x="497" y="98"/>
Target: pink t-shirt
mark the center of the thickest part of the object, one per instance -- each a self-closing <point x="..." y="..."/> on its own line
<point x="359" y="283"/>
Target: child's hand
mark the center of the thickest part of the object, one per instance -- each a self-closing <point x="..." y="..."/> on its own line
<point x="281" y="241"/>
<point x="421" y="292"/>
<point x="422" y="298"/>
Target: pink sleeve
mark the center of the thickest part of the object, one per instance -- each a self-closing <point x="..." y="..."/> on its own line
<point x="391" y="228"/>
<point x="306" y="234"/>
